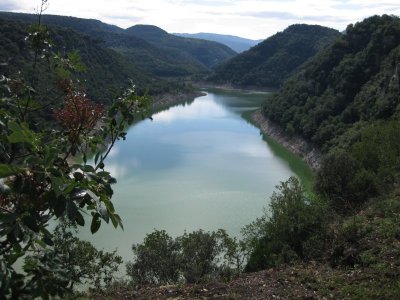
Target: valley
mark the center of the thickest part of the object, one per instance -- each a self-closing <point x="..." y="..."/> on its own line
<point x="285" y="180"/>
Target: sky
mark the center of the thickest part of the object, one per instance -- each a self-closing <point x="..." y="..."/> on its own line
<point x="254" y="19"/>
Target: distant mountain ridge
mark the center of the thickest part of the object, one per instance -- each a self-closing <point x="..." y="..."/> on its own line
<point x="269" y="63"/>
<point x="208" y="53"/>
<point x="107" y="72"/>
<point x="154" y="57"/>
<point x="236" y="43"/>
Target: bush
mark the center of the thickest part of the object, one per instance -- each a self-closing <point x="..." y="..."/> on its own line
<point x="285" y="232"/>
<point x="200" y="252"/>
<point x="157" y="260"/>
<point x="193" y="257"/>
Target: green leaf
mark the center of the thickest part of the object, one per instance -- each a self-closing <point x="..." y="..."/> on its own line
<point x="30" y="222"/>
<point x="48" y="241"/>
<point x="49" y="156"/>
<point x="119" y="220"/>
<point x="72" y="210"/>
<point x="113" y="220"/>
<point x="14" y="256"/>
<point x="96" y="158"/>
<point x="108" y="204"/>
<point x="104" y="174"/>
<point x="87" y="168"/>
<point x="104" y="214"/>
<point x="116" y="220"/>
<point x="79" y="219"/>
<point x="8" y="170"/>
<point x="58" y="204"/>
<point x="21" y="134"/>
<point x="47" y="237"/>
<point x="96" y="222"/>
<point x="57" y="184"/>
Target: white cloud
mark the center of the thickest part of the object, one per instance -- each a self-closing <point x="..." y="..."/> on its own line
<point x="198" y="109"/>
<point x="248" y="18"/>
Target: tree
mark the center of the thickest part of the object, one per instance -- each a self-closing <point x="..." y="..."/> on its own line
<point x="44" y="171"/>
<point x="81" y="261"/>
<point x="192" y="257"/>
<point x="289" y="230"/>
<point x="200" y="251"/>
<point x="156" y="261"/>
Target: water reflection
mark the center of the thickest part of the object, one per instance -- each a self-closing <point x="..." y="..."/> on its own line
<point x="195" y="166"/>
<point x="204" y="107"/>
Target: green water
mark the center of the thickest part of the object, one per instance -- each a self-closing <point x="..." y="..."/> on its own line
<point x="198" y="165"/>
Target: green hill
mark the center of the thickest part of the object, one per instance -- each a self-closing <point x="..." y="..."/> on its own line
<point x="207" y="53"/>
<point x="346" y="102"/>
<point x="107" y="71"/>
<point x="149" y="57"/>
<point x="236" y="43"/>
<point x="353" y="82"/>
<point x="271" y="62"/>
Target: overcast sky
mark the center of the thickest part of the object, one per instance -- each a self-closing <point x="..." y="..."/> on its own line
<point x="255" y="19"/>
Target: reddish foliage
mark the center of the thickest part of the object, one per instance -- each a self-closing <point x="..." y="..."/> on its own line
<point x="78" y="113"/>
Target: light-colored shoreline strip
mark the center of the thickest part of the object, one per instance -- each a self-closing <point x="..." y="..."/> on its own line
<point x="294" y="144"/>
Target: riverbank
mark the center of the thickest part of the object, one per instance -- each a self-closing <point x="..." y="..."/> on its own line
<point x="295" y="144"/>
<point x="166" y="100"/>
<point x="231" y="87"/>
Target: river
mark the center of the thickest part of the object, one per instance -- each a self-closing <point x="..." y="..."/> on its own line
<point x="198" y="165"/>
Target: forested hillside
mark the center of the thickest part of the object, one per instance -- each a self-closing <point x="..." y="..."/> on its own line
<point x="208" y="53"/>
<point x="179" y="57"/>
<point x="106" y="72"/>
<point x="236" y="43"/>
<point x="271" y="62"/>
<point x="345" y="87"/>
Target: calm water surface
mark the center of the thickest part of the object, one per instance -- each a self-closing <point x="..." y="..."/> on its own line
<point x="198" y="165"/>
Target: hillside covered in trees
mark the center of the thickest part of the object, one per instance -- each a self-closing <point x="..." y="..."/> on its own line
<point x="208" y="53"/>
<point x="105" y="72"/>
<point x="271" y="62"/>
<point x="236" y="43"/>
<point x="339" y="241"/>
<point x="151" y="49"/>
<point x="344" y="88"/>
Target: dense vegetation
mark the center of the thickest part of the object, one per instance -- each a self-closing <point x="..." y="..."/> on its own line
<point x="345" y="100"/>
<point x="193" y="258"/>
<point x="236" y="43"/>
<point x="169" y="56"/>
<point x="344" y="87"/>
<point x="45" y="176"/>
<point x="343" y="239"/>
<point x="208" y="53"/>
<point x="271" y="62"/>
<point x="106" y="72"/>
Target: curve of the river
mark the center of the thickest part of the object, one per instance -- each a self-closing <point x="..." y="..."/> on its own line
<point x="199" y="165"/>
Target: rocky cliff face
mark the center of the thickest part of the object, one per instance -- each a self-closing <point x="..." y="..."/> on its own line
<point x="295" y="144"/>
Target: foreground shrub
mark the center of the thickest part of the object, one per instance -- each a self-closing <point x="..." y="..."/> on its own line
<point x="45" y="174"/>
<point x="156" y="261"/>
<point x="193" y="257"/>
<point x="292" y="228"/>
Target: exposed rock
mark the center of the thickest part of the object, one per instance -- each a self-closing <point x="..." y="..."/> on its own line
<point x="295" y="144"/>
